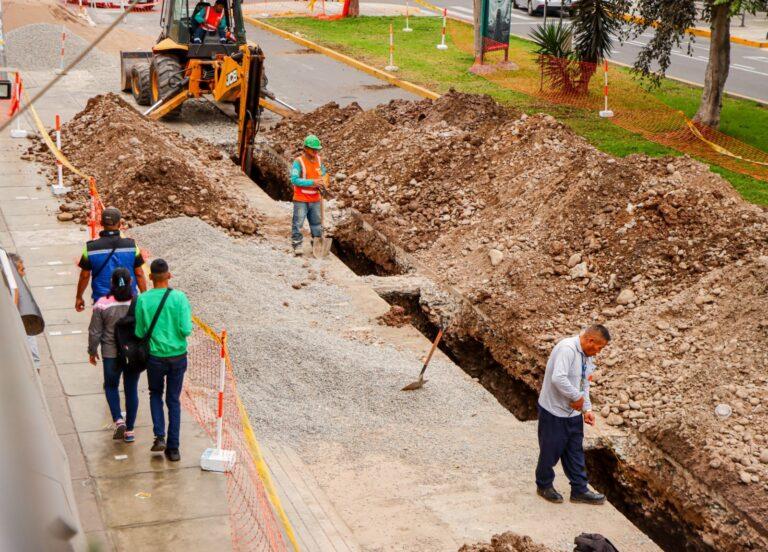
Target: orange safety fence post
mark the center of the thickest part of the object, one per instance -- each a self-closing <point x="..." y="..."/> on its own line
<point x="605" y="112"/>
<point x="218" y="459"/>
<point x="407" y="28"/>
<point x="58" y="188"/>
<point x="391" y="66"/>
<point x="18" y="88"/>
<point x="443" y="45"/>
<point x="60" y="70"/>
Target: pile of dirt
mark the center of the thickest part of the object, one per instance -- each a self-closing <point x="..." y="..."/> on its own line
<point x="544" y="234"/>
<point x="506" y="542"/>
<point x="395" y="317"/>
<point x="146" y="170"/>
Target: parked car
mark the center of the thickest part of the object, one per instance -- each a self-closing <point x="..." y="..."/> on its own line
<point x="536" y="7"/>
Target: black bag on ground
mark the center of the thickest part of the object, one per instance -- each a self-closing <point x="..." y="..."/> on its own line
<point x="593" y="542"/>
<point x="134" y="351"/>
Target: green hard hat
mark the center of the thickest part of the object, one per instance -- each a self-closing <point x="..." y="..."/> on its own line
<point x="312" y="142"/>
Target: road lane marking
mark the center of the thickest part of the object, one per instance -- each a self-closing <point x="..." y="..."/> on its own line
<point x="739" y="66"/>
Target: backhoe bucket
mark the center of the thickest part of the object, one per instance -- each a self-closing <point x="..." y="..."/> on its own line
<point x="127" y="61"/>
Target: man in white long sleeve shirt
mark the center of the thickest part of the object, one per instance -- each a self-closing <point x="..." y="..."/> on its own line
<point x="564" y="397"/>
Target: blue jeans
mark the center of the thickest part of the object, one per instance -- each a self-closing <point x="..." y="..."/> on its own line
<point x="305" y="210"/>
<point x="561" y="439"/>
<point x="112" y="372"/>
<point x="199" y="34"/>
<point x="166" y="374"/>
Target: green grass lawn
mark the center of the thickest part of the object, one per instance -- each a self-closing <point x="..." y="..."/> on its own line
<point x="366" y="39"/>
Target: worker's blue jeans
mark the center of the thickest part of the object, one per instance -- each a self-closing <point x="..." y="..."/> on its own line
<point x="305" y="210"/>
<point x="166" y="374"/>
<point x="199" y="34"/>
<point x="112" y="373"/>
<point x="561" y="439"/>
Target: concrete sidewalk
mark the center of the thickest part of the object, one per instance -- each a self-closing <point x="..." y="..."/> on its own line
<point x="127" y="498"/>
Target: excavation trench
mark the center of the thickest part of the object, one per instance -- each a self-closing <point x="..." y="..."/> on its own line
<point x="368" y="252"/>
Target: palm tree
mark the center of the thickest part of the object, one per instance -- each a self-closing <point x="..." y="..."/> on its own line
<point x="594" y="24"/>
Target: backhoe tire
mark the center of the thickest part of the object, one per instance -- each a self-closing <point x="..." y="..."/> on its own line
<point x="140" y="85"/>
<point x="165" y="74"/>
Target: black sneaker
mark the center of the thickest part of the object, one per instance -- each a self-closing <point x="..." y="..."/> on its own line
<point x="550" y="495"/>
<point x="172" y="454"/>
<point x="158" y="445"/>
<point x="590" y="497"/>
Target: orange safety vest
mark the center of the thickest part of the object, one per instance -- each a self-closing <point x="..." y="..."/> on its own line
<point x="310" y="170"/>
<point x="212" y="19"/>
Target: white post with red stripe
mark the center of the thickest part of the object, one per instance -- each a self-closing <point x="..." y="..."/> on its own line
<point x="18" y="89"/>
<point x="60" y="70"/>
<point x="443" y="45"/>
<point x="218" y="459"/>
<point x="407" y="28"/>
<point x="391" y="66"/>
<point x="58" y="188"/>
<point x="605" y="112"/>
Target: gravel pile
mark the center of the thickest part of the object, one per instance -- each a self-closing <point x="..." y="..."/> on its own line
<point x="506" y="542"/>
<point x="311" y="374"/>
<point x="36" y="48"/>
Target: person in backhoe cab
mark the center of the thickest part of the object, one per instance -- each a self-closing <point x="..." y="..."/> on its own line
<point x="308" y="178"/>
<point x="209" y="20"/>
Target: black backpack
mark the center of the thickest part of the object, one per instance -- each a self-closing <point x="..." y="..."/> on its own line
<point x="131" y="350"/>
<point x="593" y="542"/>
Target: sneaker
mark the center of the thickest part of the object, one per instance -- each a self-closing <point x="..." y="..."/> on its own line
<point x="298" y="250"/>
<point x="550" y="495"/>
<point x="119" y="430"/>
<point x="158" y="445"/>
<point x="172" y="454"/>
<point x="196" y="41"/>
<point x="590" y="497"/>
<point x="222" y="41"/>
<point x="130" y="437"/>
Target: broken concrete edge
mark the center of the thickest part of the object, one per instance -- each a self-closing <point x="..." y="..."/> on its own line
<point x="338" y="56"/>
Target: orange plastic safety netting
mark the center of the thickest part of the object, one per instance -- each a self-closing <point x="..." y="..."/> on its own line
<point x="580" y="86"/>
<point x="254" y="525"/>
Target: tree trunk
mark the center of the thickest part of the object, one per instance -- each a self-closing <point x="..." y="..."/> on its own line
<point x="717" y="67"/>
<point x="354" y="8"/>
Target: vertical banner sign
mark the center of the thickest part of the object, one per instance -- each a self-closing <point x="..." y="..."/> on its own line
<point x="495" y="21"/>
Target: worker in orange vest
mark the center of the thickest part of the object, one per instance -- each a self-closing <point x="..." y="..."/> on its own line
<point x="308" y="178"/>
<point x="209" y="20"/>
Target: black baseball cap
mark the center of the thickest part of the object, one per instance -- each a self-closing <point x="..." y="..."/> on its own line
<point x="111" y="216"/>
<point x="159" y="266"/>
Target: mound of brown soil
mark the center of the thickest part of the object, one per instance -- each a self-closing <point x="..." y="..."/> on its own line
<point x="395" y="317"/>
<point x="146" y="170"/>
<point x="545" y="234"/>
<point x="506" y="542"/>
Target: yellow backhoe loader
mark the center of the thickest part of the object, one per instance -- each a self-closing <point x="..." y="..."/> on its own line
<point x="192" y="59"/>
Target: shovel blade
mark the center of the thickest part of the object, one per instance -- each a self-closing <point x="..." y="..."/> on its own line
<point x="317" y="248"/>
<point x="418" y="384"/>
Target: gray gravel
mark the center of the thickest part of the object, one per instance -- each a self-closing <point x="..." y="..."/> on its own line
<point x="303" y="376"/>
<point x="36" y="47"/>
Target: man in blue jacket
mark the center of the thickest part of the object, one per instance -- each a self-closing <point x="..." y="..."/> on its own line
<point x="103" y="255"/>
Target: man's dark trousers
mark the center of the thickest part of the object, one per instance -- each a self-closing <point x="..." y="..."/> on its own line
<point x="561" y="439"/>
<point x="158" y="371"/>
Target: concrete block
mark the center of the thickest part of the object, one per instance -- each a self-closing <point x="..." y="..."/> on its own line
<point x="164" y="496"/>
<point x="211" y="533"/>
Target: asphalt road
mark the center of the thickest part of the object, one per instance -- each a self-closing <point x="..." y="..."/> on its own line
<point x="749" y="66"/>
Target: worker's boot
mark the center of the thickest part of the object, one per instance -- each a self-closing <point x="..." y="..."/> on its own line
<point x="298" y="251"/>
<point x="589" y="497"/>
<point x="550" y="495"/>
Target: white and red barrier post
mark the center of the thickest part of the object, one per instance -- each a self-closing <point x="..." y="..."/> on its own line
<point x="407" y="28"/>
<point x="18" y="89"/>
<point x="59" y="188"/>
<point x="391" y="66"/>
<point x="218" y="459"/>
<point x="605" y="112"/>
<point x="60" y="70"/>
<point x="443" y="45"/>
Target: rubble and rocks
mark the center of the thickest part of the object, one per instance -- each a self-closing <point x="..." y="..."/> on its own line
<point x="506" y="542"/>
<point x="395" y="316"/>
<point x="146" y="170"/>
<point x="673" y="261"/>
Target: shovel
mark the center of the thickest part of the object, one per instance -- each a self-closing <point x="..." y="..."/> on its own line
<point x="321" y="247"/>
<point x="418" y="384"/>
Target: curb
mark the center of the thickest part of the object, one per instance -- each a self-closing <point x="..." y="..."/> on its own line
<point x="338" y="56"/>
<point x="697" y="31"/>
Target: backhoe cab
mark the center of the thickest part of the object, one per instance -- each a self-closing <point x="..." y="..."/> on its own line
<point x="177" y="68"/>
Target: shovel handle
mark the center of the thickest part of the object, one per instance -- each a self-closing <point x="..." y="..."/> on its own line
<point x="431" y="351"/>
